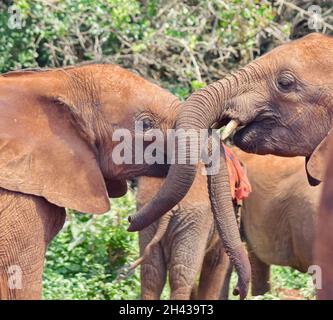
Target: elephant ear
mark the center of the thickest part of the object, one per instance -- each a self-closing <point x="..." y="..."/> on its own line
<point x="316" y="163"/>
<point x="41" y="150"/>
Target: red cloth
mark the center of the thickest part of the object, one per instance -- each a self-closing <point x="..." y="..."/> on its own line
<point x="239" y="183"/>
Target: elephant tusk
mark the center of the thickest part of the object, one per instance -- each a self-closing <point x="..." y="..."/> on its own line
<point x="229" y="129"/>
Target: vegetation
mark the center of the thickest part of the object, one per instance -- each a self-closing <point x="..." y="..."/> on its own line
<point x="84" y="260"/>
<point x="180" y="44"/>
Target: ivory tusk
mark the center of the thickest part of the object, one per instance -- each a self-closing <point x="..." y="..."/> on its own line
<point x="229" y="129"/>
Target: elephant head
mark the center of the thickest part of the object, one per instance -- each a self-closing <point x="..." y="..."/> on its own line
<point x="284" y="103"/>
<point x="57" y="127"/>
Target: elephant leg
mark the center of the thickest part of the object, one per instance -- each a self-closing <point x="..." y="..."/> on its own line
<point x="182" y="281"/>
<point x="27" y="224"/>
<point x="260" y="275"/>
<point x="188" y="249"/>
<point x="153" y="268"/>
<point x="214" y="272"/>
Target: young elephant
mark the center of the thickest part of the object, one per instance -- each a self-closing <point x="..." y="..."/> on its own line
<point x="56" y="150"/>
<point x="185" y="241"/>
<point x="278" y="218"/>
<point x="283" y="103"/>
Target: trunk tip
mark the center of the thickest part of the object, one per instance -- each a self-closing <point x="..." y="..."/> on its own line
<point x="136" y="224"/>
<point x="131" y="227"/>
<point x="241" y="292"/>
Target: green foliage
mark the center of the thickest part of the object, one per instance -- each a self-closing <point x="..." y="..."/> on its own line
<point x="197" y="85"/>
<point x="83" y="260"/>
<point x="188" y="41"/>
<point x="65" y="32"/>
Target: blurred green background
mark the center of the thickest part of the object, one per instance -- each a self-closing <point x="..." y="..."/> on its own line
<point x="182" y="45"/>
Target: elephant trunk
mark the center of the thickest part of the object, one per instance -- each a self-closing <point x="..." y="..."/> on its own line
<point x="198" y="112"/>
<point x="202" y="110"/>
<point x="226" y="223"/>
<point x="170" y="194"/>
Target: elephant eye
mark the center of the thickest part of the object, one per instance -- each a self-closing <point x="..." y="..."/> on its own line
<point x="286" y="82"/>
<point x="147" y="124"/>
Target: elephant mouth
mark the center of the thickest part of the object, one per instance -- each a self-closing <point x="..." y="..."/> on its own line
<point x="245" y="138"/>
<point x="254" y="136"/>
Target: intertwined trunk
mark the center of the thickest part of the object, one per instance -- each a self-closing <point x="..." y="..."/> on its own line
<point x="202" y="110"/>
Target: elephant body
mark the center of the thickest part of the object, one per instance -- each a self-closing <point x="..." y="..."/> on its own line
<point x="56" y="150"/>
<point x="278" y="221"/>
<point x="185" y="243"/>
<point x="189" y="245"/>
<point x="279" y="216"/>
<point x="324" y="240"/>
<point x="282" y="103"/>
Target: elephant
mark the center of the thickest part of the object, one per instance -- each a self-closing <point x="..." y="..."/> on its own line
<point x="324" y="239"/>
<point x="278" y="218"/>
<point x="282" y="105"/>
<point x="56" y="152"/>
<point x="185" y="243"/>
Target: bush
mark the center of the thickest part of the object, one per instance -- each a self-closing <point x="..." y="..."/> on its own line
<point x="82" y="261"/>
<point x="175" y="42"/>
<point x="183" y="44"/>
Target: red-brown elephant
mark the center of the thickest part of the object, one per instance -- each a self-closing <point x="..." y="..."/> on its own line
<point x="283" y="104"/>
<point x="56" y="146"/>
